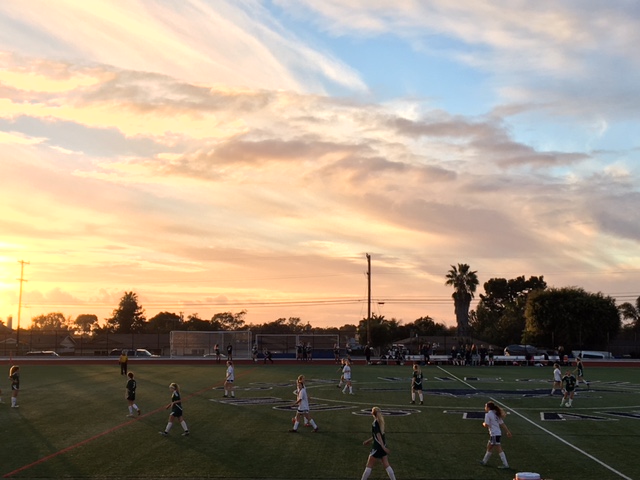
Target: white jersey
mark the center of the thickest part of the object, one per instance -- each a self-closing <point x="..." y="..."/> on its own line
<point x="346" y="372"/>
<point x="303" y="406"/>
<point x="493" y="422"/>
<point x="557" y="375"/>
<point x="230" y="374"/>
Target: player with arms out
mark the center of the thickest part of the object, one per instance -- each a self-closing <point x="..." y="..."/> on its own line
<point x="379" y="450"/>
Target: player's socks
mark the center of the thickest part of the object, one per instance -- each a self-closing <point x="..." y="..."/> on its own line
<point x="503" y="457"/>
<point x="486" y="458"/>
<point x="184" y="426"/>
<point x="168" y="427"/>
<point x="390" y="472"/>
<point x="366" y="473"/>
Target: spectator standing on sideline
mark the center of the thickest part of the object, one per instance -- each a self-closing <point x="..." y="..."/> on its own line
<point x="123" y="361"/>
<point x="229" y="352"/>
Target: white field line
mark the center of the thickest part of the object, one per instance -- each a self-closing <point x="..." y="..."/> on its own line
<point x="588" y="455"/>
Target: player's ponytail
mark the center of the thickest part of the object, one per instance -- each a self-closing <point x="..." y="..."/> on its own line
<point x="380" y="419"/>
<point x="499" y="412"/>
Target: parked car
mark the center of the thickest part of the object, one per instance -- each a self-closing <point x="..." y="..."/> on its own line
<point x="592" y="354"/>
<point x="513" y="350"/>
<point x="42" y="353"/>
<point x="135" y="353"/>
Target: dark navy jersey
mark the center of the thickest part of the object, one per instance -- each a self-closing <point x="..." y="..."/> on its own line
<point x="569" y="382"/>
<point x="131" y="386"/>
<point x="416" y="381"/>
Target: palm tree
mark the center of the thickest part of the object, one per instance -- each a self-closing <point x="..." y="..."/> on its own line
<point x="631" y="312"/>
<point x="464" y="283"/>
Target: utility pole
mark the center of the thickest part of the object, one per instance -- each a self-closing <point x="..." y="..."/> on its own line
<point x="368" y="299"/>
<point x="21" y="280"/>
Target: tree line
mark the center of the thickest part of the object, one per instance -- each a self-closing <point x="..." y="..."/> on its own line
<point x="517" y="310"/>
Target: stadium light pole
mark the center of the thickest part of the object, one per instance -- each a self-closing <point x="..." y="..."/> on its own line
<point x="21" y="280"/>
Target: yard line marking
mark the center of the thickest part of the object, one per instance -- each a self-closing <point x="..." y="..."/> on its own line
<point x="588" y="455"/>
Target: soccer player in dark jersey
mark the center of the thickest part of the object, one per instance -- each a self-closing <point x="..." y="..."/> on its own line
<point x="130" y="395"/>
<point x="176" y="411"/>
<point x="416" y="384"/>
<point x="580" y="372"/>
<point x="379" y="450"/>
<point x="14" y="375"/>
<point x="569" y="383"/>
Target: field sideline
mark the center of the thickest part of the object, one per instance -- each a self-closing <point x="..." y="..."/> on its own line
<point x="72" y="423"/>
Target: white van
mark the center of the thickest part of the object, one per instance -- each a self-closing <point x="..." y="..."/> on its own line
<point x="592" y="354"/>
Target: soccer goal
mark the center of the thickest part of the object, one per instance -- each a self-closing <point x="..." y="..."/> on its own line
<point x="299" y="346"/>
<point x="198" y="344"/>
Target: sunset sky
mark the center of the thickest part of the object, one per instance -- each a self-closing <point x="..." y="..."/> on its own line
<point x="216" y="156"/>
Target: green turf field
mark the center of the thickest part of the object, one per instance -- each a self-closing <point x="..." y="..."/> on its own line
<point x="72" y="424"/>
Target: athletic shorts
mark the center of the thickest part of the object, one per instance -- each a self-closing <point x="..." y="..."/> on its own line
<point x="495" y="439"/>
<point x="131" y="396"/>
<point x="377" y="453"/>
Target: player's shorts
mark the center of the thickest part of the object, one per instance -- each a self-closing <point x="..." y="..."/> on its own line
<point x="176" y="411"/>
<point x="377" y="453"/>
<point x="416" y="387"/>
<point x="15" y="387"/>
<point x="347" y="378"/>
<point x="303" y="412"/>
<point x="229" y="381"/>
<point x="131" y="396"/>
<point x="495" y="439"/>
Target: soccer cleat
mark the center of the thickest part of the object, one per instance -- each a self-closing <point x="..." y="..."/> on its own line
<point x="130" y="416"/>
<point x="421" y="402"/>
<point x="315" y="430"/>
<point x="293" y="431"/>
<point x="412" y="402"/>
<point x="482" y="463"/>
<point x="504" y="467"/>
<point x="185" y="433"/>
<point x="164" y="434"/>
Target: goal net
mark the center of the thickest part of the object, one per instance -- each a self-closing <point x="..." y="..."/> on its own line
<point x="198" y="344"/>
